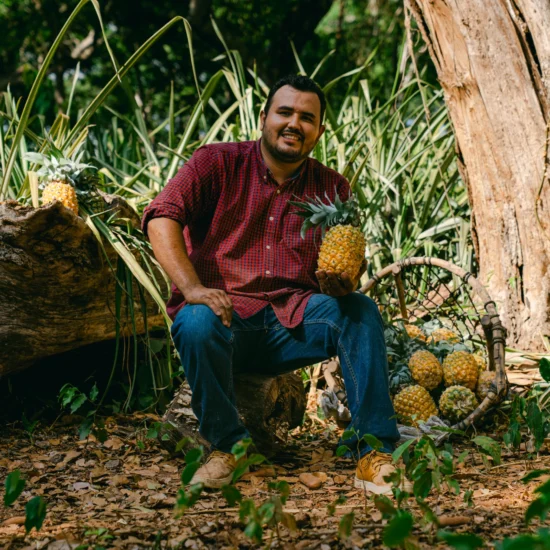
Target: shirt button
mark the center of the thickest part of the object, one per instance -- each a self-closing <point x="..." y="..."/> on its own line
<point x="278" y="191"/>
<point x="268" y="247"/>
<point x="265" y="177"/>
<point x="268" y="272"/>
<point x="271" y="218"/>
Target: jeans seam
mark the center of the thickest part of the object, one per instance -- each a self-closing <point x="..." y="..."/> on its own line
<point x="339" y="345"/>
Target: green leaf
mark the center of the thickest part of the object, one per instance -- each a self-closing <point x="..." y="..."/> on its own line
<point x="544" y="368"/>
<point x="342" y="450"/>
<point x="254" y="531"/>
<point x="35" y="513"/>
<point x="398" y="453"/>
<point x="189" y="472"/>
<point x="78" y="402"/>
<point x="85" y="428"/>
<point x="345" y="525"/>
<point x="535" y="474"/>
<point x="231" y="494"/>
<point x="94" y="392"/>
<point x="398" y="529"/>
<point x="372" y="441"/>
<point x="14" y="486"/>
<point x="349" y="434"/>
<point x="194" y="455"/>
<point x="385" y="505"/>
<point x="100" y="434"/>
<point x="490" y="446"/>
<point x="461" y="541"/>
<point x="153" y="431"/>
<point x="423" y="485"/>
<point x="267" y="511"/>
<point x="182" y="443"/>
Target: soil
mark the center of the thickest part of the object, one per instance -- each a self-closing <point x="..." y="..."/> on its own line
<point x="121" y="493"/>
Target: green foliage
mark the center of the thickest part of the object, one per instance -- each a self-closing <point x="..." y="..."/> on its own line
<point x="398" y="529"/>
<point x="539" y="541"/>
<point x="461" y="541"/>
<point x="13" y="486"/>
<point x="527" y="415"/>
<point x="35" y="513"/>
<point x="490" y="447"/>
<point x="35" y="509"/>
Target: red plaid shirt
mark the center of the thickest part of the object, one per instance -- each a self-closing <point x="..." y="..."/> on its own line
<point x="240" y="232"/>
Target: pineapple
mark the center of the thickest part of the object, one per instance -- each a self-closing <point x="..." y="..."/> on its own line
<point x="59" y="177"/>
<point x="484" y="383"/>
<point x="460" y="368"/>
<point x="443" y="333"/>
<point x="343" y="246"/>
<point x="480" y="362"/>
<point x="414" y="401"/>
<point x="426" y="369"/>
<point x="457" y="402"/>
<point x="415" y="332"/>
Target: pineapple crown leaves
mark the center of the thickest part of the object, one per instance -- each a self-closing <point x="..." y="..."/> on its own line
<point x="56" y="166"/>
<point x="318" y="213"/>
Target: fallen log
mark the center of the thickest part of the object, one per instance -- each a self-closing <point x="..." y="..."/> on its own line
<point x="57" y="291"/>
<point x="269" y="406"/>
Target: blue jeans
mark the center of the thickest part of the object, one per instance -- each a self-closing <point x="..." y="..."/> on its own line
<point x="349" y="326"/>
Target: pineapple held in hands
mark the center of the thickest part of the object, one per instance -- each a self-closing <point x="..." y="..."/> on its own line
<point x="59" y="177"/>
<point x="343" y="247"/>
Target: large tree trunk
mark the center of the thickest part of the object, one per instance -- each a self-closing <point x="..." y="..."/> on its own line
<point x="493" y="62"/>
<point x="57" y="291"/>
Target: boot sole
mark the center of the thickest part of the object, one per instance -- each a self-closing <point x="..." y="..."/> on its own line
<point x="371" y="487"/>
<point x="215" y="483"/>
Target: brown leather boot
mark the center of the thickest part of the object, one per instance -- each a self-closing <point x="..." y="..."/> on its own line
<point x="216" y="471"/>
<point x="371" y="470"/>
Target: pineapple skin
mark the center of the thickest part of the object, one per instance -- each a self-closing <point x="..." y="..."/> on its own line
<point x="426" y="369"/>
<point x="415" y="332"/>
<point x="460" y="368"/>
<point x="446" y="334"/>
<point x="414" y="400"/>
<point x="342" y="250"/>
<point x="61" y="191"/>
<point x="457" y="402"/>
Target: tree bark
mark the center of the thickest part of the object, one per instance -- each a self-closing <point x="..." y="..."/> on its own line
<point x="493" y="62"/>
<point x="269" y="407"/>
<point x="57" y="291"/>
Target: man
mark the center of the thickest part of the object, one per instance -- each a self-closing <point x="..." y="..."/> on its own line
<point x="246" y="292"/>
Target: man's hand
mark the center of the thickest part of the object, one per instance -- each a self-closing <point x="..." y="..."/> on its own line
<point x="334" y="285"/>
<point x="217" y="300"/>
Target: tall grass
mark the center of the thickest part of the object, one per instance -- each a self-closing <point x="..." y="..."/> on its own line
<point x="400" y="164"/>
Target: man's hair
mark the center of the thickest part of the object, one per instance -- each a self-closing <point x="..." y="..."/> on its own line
<point x="300" y="83"/>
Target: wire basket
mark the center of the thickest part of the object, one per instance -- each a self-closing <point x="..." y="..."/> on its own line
<point x="426" y="289"/>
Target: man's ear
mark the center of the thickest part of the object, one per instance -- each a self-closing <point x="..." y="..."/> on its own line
<point x="262" y="119"/>
<point x="321" y="132"/>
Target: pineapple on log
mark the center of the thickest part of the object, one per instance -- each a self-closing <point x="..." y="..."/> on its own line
<point x="343" y="246"/>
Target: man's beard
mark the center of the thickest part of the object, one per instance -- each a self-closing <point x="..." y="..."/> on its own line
<point x="284" y="155"/>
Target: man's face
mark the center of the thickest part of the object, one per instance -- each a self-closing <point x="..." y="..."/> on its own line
<point x="292" y="127"/>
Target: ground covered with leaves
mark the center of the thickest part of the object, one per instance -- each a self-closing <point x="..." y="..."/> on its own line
<point x="123" y="493"/>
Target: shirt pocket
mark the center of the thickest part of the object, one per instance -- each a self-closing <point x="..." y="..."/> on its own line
<point x="304" y="250"/>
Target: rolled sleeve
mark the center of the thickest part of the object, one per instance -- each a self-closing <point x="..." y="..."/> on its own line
<point x="190" y="194"/>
